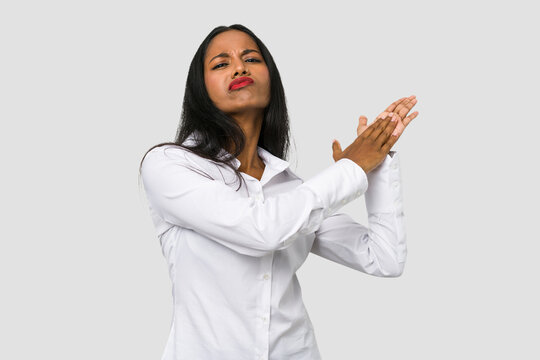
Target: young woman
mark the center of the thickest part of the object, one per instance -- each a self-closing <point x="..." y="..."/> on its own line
<point x="235" y="222"/>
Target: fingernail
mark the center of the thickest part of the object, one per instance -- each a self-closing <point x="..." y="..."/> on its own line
<point x="393" y="118"/>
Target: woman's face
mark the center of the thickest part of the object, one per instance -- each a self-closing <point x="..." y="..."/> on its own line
<point x="220" y="71"/>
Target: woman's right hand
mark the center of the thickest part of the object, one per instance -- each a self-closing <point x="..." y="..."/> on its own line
<point x="370" y="148"/>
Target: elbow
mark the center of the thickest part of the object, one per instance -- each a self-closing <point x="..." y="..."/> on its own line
<point x="391" y="260"/>
<point x="393" y="269"/>
<point x="396" y="271"/>
<point x="391" y="264"/>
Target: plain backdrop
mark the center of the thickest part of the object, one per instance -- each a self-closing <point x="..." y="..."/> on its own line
<point x="87" y="87"/>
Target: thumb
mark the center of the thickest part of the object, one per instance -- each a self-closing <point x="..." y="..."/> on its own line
<point x="362" y="125"/>
<point x="362" y="120"/>
<point x="336" y="150"/>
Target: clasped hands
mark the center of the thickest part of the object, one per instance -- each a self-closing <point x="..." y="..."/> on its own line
<point x="377" y="142"/>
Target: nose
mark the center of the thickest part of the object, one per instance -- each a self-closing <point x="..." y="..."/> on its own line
<point x="240" y="68"/>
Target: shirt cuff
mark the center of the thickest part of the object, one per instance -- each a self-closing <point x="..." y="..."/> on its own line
<point x="338" y="185"/>
<point x="384" y="193"/>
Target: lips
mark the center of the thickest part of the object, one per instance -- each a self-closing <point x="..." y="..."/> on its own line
<point x="240" y="82"/>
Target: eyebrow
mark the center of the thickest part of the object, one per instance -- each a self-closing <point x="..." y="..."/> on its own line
<point x="223" y="54"/>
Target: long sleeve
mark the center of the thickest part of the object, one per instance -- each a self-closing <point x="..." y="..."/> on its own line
<point x="379" y="249"/>
<point x="183" y="197"/>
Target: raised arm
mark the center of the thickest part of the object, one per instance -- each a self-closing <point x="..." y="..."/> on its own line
<point x="379" y="249"/>
<point x="183" y="197"/>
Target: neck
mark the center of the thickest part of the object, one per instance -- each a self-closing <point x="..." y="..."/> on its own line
<point x="251" y="123"/>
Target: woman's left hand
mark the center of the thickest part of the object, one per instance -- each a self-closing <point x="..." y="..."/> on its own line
<point x="399" y="107"/>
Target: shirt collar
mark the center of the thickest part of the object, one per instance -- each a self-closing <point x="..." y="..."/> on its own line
<point x="273" y="164"/>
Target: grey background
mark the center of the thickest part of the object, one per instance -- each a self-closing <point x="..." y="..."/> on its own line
<point x="87" y="87"/>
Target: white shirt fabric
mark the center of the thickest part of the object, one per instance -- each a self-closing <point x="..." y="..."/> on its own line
<point x="233" y="255"/>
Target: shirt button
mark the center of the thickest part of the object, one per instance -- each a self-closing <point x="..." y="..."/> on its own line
<point x="395" y="184"/>
<point x="394" y="166"/>
<point x="266" y="277"/>
<point x="343" y="201"/>
<point x="358" y="193"/>
<point x="265" y="319"/>
<point x="396" y="203"/>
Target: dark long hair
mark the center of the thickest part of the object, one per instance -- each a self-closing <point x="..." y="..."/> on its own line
<point x="217" y="130"/>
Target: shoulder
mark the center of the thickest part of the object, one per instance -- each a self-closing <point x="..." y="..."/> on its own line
<point x="162" y="157"/>
<point x="173" y="154"/>
<point x="169" y="151"/>
<point x="167" y="159"/>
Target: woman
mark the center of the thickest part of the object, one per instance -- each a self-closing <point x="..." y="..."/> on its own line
<point x="233" y="251"/>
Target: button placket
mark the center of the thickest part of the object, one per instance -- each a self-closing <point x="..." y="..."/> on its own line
<point x="259" y="196"/>
<point x="263" y="315"/>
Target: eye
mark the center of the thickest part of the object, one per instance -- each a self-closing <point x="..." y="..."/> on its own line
<point x="218" y="65"/>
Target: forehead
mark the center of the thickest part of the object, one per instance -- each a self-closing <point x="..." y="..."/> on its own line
<point x="230" y="41"/>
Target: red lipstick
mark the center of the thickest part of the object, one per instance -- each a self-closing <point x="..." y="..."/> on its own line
<point x="240" y="82"/>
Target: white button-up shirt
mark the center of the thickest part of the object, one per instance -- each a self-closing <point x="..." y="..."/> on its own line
<point x="233" y="255"/>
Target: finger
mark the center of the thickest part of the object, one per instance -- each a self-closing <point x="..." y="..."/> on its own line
<point x="396" y="134"/>
<point x="403" y="104"/>
<point x="369" y="132"/>
<point x="383" y="115"/>
<point x="409" y="118"/>
<point x="387" y="146"/>
<point x="379" y="128"/>
<point x="362" y="120"/>
<point x="386" y="131"/>
<point x="362" y="125"/>
<point x="400" y="126"/>
<point x="336" y="145"/>
<point x="406" y="106"/>
<point x="336" y="149"/>
<point x="394" y="105"/>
